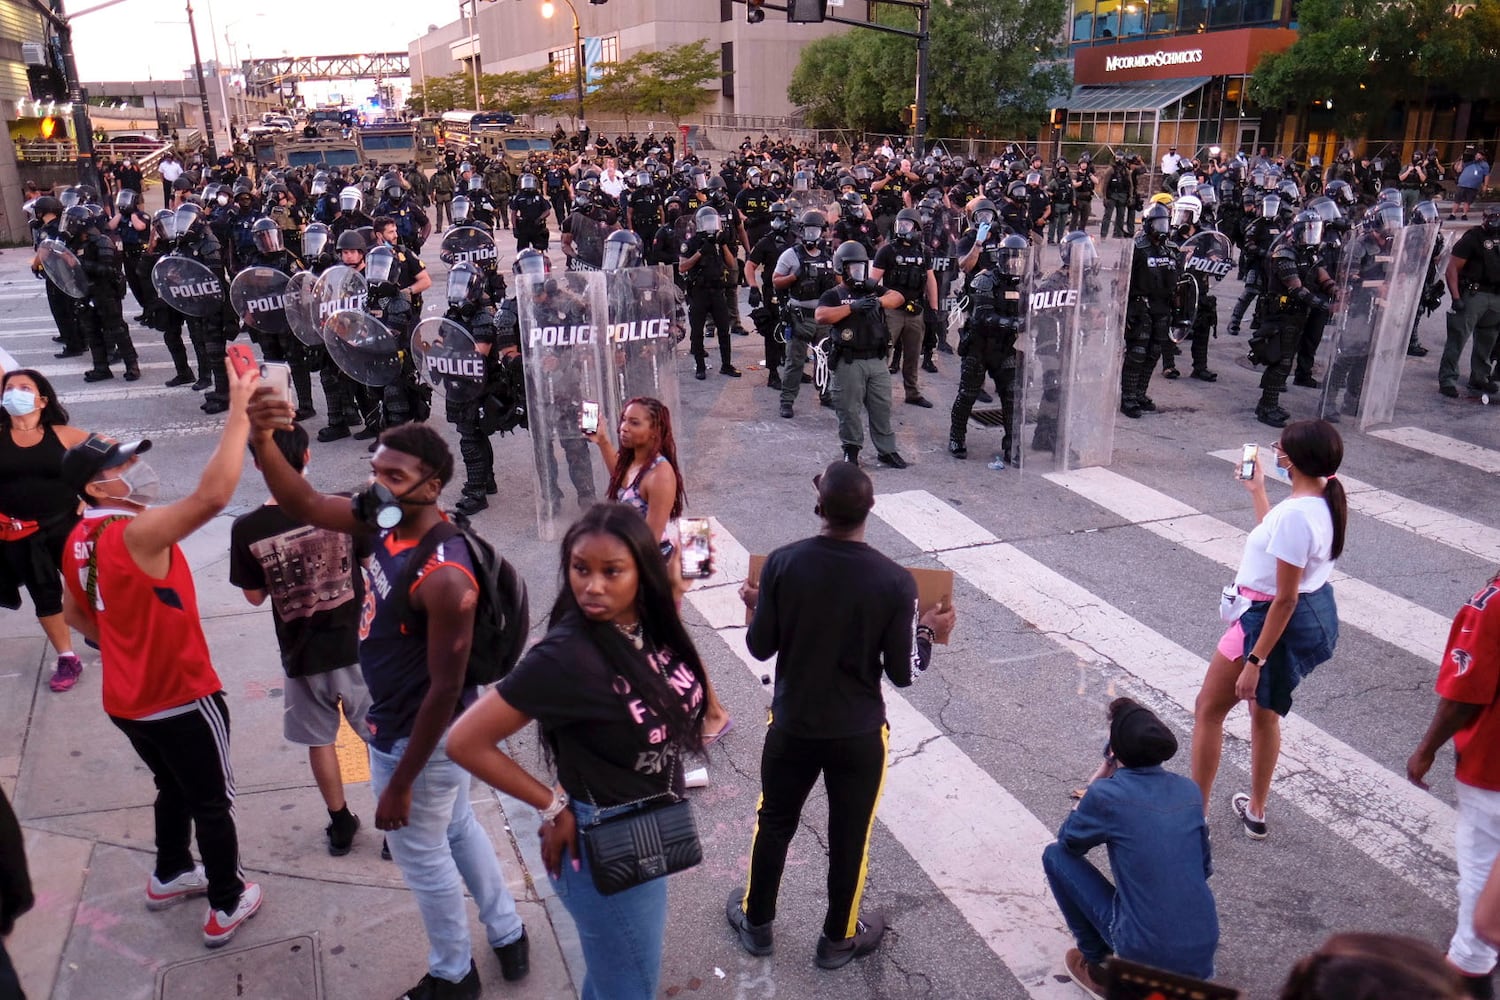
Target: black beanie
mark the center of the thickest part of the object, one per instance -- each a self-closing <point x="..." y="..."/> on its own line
<point x="1139" y="739"/>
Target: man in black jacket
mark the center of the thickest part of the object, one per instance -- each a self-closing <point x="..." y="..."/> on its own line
<point x="837" y="615"/>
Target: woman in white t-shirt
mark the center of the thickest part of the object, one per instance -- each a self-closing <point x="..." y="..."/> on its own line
<point x="1291" y="624"/>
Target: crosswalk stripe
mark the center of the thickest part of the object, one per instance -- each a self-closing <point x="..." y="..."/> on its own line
<point x="127" y="391"/>
<point x="61" y="369"/>
<point x="1383" y="615"/>
<point x="1454" y="450"/>
<point x="1399" y="826"/>
<point x="978" y="844"/>
<point x="1409" y="515"/>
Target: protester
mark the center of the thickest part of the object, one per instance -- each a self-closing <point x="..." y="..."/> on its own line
<point x="1468" y="713"/>
<point x="413" y="652"/>
<point x="837" y="615"/>
<point x="1159" y="911"/>
<point x="1291" y="623"/>
<point x="37" y="509"/>
<point x="15" y="893"/>
<point x="617" y="688"/>
<point x="130" y="591"/>
<point x="313" y="579"/>
<point x="1359" y="966"/>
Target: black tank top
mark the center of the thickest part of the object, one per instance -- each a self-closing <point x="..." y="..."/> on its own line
<point x="31" y="486"/>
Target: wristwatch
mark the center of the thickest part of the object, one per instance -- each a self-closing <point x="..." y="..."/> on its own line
<point x="558" y="804"/>
<point x="1254" y="660"/>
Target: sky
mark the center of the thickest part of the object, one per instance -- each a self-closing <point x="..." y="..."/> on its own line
<point x="128" y="42"/>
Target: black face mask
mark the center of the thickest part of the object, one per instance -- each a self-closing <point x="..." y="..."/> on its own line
<point x="381" y="509"/>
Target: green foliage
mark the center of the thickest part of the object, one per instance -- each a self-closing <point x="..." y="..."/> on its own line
<point x="443" y="93"/>
<point x="993" y="65"/>
<point x="1365" y="55"/>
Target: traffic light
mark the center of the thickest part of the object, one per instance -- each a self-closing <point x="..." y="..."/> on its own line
<point x="755" y="11"/>
<point x="806" y="11"/>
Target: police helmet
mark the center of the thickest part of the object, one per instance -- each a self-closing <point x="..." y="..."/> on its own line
<point x="1327" y="210"/>
<point x="1424" y="213"/>
<point x="1307" y="229"/>
<point x="811" y="224"/>
<point x="984" y="211"/>
<point x="1187" y="184"/>
<point x="47" y="205"/>
<point x="392" y="189"/>
<point x="642" y="179"/>
<point x="1034" y="178"/>
<point x="850" y="201"/>
<point x="465" y="284"/>
<point x="70" y="197"/>
<point x="126" y="200"/>
<point x="314" y="240"/>
<point x="781" y="216"/>
<point x="583" y="201"/>
<point x="221" y="195"/>
<point x="243" y="186"/>
<point x="1270" y="206"/>
<point x="266" y="235"/>
<point x="87" y="195"/>
<point x="1383" y="217"/>
<point x="1342" y="192"/>
<point x="1017" y="192"/>
<point x="1291" y="195"/>
<point x="319" y="185"/>
<point x="165" y="224"/>
<point x="1013" y="253"/>
<point x="76" y="220"/>
<point x="801" y="181"/>
<point x="189" y="218"/>
<point x="351" y="199"/>
<point x="1187" y="210"/>
<point x="908" y="225"/>
<point x="458" y="210"/>
<point x="353" y="239"/>
<point x="852" y="261"/>
<point x="1491" y="218"/>
<point x="707" y="220"/>
<point x="1077" y="249"/>
<point x="531" y="263"/>
<point x="752" y="177"/>
<point x="1389" y="195"/>
<point x="715" y="185"/>
<point x="1156" y="221"/>
<point x="862" y="172"/>
<point x="380" y="263"/>
<point x="622" y="249"/>
<point x="1207" y="194"/>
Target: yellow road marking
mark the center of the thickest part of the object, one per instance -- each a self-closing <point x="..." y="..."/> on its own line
<point x="354" y="756"/>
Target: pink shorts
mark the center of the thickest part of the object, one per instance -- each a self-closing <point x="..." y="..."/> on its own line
<point x="1232" y="642"/>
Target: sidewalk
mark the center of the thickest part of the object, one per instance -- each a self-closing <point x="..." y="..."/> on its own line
<point x="338" y="928"/>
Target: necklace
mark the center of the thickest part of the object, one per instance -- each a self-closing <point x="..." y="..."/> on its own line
<point x="633" y="633"/>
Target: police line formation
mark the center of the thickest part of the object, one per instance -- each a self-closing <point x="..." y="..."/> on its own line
<point x="915" y="253"/>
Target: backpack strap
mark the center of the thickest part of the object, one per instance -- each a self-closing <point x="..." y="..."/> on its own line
<point x="91" y="584"/>
<point x="436" y="535"/>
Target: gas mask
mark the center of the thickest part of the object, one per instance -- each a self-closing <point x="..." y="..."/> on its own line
<point x="19" y="402"/>
<point x="381" y="509"/>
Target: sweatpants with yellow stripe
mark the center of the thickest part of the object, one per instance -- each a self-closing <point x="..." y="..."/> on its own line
<point x="853" y="771"/>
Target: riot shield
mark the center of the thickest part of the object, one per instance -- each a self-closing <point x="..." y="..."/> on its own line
<point x="302" y="308"/>
<point x="1203" y="257"/>
<point x="63" y="269"/>
<point x="1070" y="374"/>
<point x="563" y="323"/>
<point x="447" y="359"/>
<point x="641" y="354"/>
<point x="1381" y="281"/>
<point x="363" y="347"/>
<point x="339" y="289"/>
<point x="187" y="286"/>
<point x="469" y="245"/>
<point x="588" y="237"/>
<point x="259" y="296"/>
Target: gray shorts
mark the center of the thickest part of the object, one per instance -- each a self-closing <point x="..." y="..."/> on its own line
<point x="310" y="715"/>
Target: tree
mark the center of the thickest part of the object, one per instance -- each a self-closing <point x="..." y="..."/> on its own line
<point x="993" y="64"/>
<point x="442" y="93"/>
<point x="677" y="81"/>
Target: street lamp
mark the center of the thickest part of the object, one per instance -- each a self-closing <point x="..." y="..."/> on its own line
<point x="548" y="9"/>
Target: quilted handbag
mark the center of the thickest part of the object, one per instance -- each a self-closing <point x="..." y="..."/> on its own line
<point x="639" y="846"/>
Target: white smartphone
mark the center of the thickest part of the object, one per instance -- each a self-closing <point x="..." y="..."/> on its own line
<point x="277" y="375"/>
<point x="1248" y="455"/>
<point x="588" y="417"/>
<point x="693" y="547"/>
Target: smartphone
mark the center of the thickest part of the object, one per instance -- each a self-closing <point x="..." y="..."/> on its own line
<point x="241" y="358"/>
<point x="692" y="547"/>
<point x="1248" y="455"/>
<point x="588" y="417"/>
<point x="277" y="375"/>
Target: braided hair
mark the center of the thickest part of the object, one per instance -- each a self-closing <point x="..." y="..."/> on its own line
<point x="666" y="446"/>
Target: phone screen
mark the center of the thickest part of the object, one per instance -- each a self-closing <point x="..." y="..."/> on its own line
<point x="588" y="417"/>
<point x="693" y="537"/>
<point x="1248" y="454"/>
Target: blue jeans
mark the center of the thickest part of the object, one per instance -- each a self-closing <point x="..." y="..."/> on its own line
<point x="623" y="934"/>
<point x="1085" y="897"/>
<point x="440" y="850"/>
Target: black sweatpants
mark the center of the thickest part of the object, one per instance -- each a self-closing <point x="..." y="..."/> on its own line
<point x="703" y="304"/>
<point x="853" y="770"/>
<point x="188" y="756"/>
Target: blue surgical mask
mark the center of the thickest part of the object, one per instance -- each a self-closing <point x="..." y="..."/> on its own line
<point x="19" y="402"/>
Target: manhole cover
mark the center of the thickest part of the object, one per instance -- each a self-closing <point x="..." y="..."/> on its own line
<point x="280" y="970"/>
<point x="987" y="418"/>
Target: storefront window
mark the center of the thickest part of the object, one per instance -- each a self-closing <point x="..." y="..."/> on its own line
<point x="1192" y="15"/>
<point x="1262" y="11"/>
<point x="1163" y="16"/>
<point x="1133" y="18"/>
<point x="1222" y="13"/>
<point x="1107" y="19"/>
<point x="1083" y="20"/>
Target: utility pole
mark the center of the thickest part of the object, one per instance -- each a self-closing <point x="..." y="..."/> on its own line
<point x="208" y="123"/>
<point x="924" y="46"/>
<point x="83" y="129"/>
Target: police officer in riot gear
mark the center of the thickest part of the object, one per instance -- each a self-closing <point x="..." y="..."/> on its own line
<point x="853" y="309"/>
<point x="1297" y="283"/>
<point x="1473" y="280"/>
<point x="707" y="263"/>
<point x="64" y="308"/>
<point x="268" y="252"/>
<point x="351" y="213"/>
<point x="1187" y="212"/>
<point x="1260" y="234"/>
<point x="466" y="308"/>
<point x="1148" y="316"/>
<point x="406" y="397"/>
<point x="530" y="211"/>
<point x="133" y="226"/>
<point x="195" y="240"/>
<point x="767" y="301"/>
<point x="643" y="208"/>
<point x="804" y="272"/>
<point x="903" y="265"/>
<point x="854" y="223"/>
<point x="979" y="248"/>
<point x="99" y="314"/>
<point x="346" y="401"/>
<point x="987" y="345"/>
<point x="397" y="205"/>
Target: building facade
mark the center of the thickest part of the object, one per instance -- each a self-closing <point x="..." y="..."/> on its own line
<point x="756" y="59"/>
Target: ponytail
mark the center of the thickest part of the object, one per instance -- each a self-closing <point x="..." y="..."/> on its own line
<point x="1315" y="448"/>
<point x="1338" y="510"/>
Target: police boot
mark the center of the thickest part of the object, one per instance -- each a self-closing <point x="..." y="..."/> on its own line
<point x="1129" y="387"/>
<point x="100" y="356"/>
<point x="302" y="384"/>
<point x="927" y="365"/>
<point x="216" y="400"/>
<point x="178" y="351"/>
<point x="1269" y="412"/>
<point x="851" y="454"/>
<point x="200" y="352"/>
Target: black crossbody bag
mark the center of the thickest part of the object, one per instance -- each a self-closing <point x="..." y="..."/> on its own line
<point x="644" y="844"/>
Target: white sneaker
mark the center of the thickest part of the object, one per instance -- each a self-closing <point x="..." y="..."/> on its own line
<point x="160" y="895"/>
<point x="220" y="926"/>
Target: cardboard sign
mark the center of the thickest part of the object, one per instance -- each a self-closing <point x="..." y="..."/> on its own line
<point x="933" y="585"/>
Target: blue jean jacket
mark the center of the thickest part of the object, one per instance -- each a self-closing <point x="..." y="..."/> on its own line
<point x="1309" y="639"/>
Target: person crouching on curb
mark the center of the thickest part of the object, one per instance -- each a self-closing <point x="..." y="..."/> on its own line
<point x="1160" y="911"/>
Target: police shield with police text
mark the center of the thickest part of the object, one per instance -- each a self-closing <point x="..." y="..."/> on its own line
<point x="641" y="346"/>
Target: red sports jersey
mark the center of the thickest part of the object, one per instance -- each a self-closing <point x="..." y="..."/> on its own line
<point x="1470" y="673"/>
<point x="151" y="642"/>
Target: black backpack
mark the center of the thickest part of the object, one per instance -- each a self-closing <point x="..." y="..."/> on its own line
<point x="502" y="619"/>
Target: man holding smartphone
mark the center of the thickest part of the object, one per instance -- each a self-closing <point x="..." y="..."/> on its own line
<point x="837" y="615"/>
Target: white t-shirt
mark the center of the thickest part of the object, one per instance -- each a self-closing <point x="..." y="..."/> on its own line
<point x="1299" y="531"/>
<point x="170" y="170"/>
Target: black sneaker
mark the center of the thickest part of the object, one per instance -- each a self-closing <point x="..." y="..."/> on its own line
<point x="385" y="849"/>
<point x="212" y="406"/>
<point x="774" y="382"/>
<point x="1490" y="387"/>
<point x="786" y="410"/>
<point x="333" y="432"/>
<point x="928" y="366"/>
<point x="368" y="432"/>
<point x="181" y="378"/>
<point x="1272" y="416"/>
<point x="957" y="449"/>
<point x="1255" y="829"/>
<point x="1146" y="404"/>
<point x="433" y="988"/>
<point x="700" y="373"/>
<point x="341" y="832"/>
<point x="1171" y="372"/>
<point x="1307" y="382"/>
<point x="304" y="413"/>
<point x="754" y="938"/>
<point x="1130" y="407"/>
<point x="203" y="382"/>
<point x="470" y="505"/>
<point x="1416" y="351"/>
<point x="1204" y="375"/>
<point x="891" y="458"/>
<point x="921" y="401"/>
<point x="1451" y="391"/>
<point x="837" y="954"/>
<point x="515" y="958"/>
<point x="98" y="375"/>
<point x="851" y="454"/>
